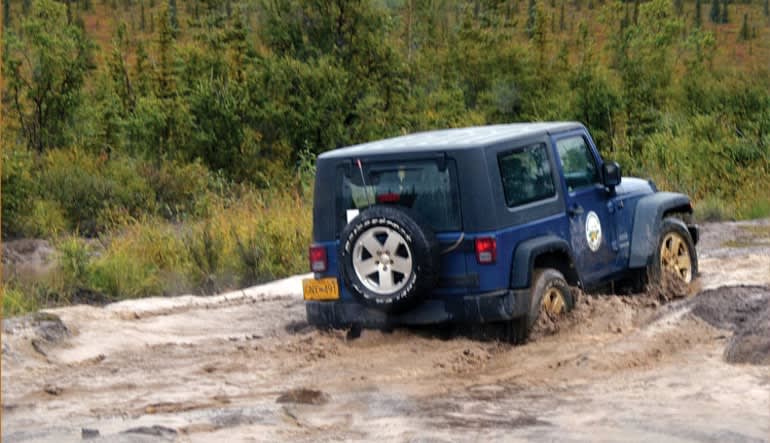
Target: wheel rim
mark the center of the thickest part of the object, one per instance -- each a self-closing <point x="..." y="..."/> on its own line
<point x="553" y="302"/>
<point x="382" y="260"/>
<point x="675" y="256"/>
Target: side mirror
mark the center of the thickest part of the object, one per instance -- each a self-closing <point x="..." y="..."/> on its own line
<point x="611" y="173"/>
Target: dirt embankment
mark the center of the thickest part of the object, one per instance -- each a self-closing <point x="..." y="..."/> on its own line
<point x="245" y="366"/>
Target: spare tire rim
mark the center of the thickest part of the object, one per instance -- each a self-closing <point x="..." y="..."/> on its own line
<point x="382" y="260"/>
<point x="675" y="256"/>
<point x="553" y="302"/>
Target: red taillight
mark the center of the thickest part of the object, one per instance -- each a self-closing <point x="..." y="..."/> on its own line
<point x="388" y="198"/>
<point x="318" y="258"/>
<point x="486" y="250"/>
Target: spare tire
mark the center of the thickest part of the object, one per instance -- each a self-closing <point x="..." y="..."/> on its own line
<point x="387" y="259"/>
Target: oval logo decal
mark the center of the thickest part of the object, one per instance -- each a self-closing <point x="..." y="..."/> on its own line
<point x="593" y="231"/>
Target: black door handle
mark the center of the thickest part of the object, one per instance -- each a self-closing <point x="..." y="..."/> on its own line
<point x="575" y="210"/>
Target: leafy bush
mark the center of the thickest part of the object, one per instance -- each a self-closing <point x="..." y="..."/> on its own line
<point x="144" y="259"/>
<point x="16" y="301"/>
<point x="85" y="185"/>
<point x="712" y="209"/>
<point x="46" y="220"/>
<point x="19" y="189"/>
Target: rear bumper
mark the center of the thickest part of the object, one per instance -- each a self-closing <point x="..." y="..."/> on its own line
<point x="477" y="308"/>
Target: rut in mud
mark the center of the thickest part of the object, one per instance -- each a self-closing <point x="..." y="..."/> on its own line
<point x="246" y="367"/>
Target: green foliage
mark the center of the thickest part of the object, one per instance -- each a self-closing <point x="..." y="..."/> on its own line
<point x="712" y="209"/>
<point x="85" y="186"/>
<point x="45" y="220"/>
<point x="45" y="65"/>
<point x="16" y="302"/>
<point x="74" y="263"/>
<point x="714" y="14"/>
<point x="183" y="150"/>
<point x="698" y="20"/>
<point x="19" y="189"/>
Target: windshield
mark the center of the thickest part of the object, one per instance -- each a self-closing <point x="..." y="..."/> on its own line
<point x="421" y="185"/>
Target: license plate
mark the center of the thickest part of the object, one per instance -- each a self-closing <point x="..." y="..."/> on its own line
<point x="321" y="289"/>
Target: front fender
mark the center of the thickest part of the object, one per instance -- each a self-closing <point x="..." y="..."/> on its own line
<point x="648" y="218"/>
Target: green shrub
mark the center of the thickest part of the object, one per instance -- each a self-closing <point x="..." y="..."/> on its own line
<point x="19" y="189"/>
<point x="713" y="209"/>
<point x="17" y="302"/>
<point x="179" y="188"/>
<point x="144" y="259"/>
<point x="86" y="185"/>
<point x="120" y="275"/>
<point x="757" y="209"/>
<point x="46" y="220"/>
<point x="205" y="247"/>
<point x="73" y="260"/>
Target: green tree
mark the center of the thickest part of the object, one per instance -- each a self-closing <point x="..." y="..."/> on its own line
<point x="679" y="7"/>
<point x="6" y="14"/>
<point x="766" y="8"/>
<point x="142" y="22"/>
<point x="745" y="32"/>
<point x="698" y="20"/>
<point x="45" y="66"/>
<point x="714" y="14"/>
<point x="725" y="17"/>
<point x="172" y="15"/>
<point x="531" y="18"/>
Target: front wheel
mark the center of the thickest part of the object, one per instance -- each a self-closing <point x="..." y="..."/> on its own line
<point x="674" y="254"/>
<point x="549" y="295"/>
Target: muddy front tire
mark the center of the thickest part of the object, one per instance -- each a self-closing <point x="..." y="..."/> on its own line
<point x="674" y="254"/>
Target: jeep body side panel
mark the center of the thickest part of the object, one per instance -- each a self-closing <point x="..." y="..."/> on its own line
<point x="648" y="216"/>
<point x="526" y="252"/>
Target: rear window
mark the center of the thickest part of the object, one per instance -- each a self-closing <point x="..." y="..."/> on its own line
<point x="428" y="187"/>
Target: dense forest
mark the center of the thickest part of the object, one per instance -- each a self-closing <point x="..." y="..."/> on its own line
<point x="167" y="146"/>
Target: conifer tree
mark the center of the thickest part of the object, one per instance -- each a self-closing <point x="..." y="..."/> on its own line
<point x="698" y="13"/>
<point x="767" y="8"/>
<point x="6" y="14"/>
<point x="172" y="17"/>
<point x="561" y="18"/>
<point x="714" y="14"/>
<point x="636" y="12"/>
<point x="679" y="7"/>
<point x="724" y="18"/>
<point x="531" y="18"/>
<point x="745" y="32"/>
<point x="142" y="23"/>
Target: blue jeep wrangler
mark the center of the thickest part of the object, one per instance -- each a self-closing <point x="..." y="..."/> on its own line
<point x="482" y="225"/>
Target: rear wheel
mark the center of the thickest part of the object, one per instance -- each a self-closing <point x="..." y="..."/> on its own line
<point x="549" y="295"/>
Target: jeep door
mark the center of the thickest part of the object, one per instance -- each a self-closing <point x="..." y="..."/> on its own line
<point x="591" y="224"/>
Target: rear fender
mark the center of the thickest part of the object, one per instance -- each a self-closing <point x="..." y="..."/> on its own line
<point x="526" y="253"/>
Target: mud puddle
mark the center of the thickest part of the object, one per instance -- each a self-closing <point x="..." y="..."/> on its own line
<point x="246" y="367"/>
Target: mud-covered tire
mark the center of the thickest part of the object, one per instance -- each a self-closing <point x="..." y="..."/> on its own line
<point x="674" y="238"/>
<point x="387" y="259"/>
<point x="548" y="283"/>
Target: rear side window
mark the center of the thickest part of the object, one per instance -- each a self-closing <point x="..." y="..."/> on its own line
<point x="577" y="162"/>
<point x="526" y="175"/>
<point x="425" y="186"/>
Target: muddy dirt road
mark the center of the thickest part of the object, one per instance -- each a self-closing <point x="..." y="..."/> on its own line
<point x="245" y="367"/>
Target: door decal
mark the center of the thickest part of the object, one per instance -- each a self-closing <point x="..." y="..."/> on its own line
<point x="593" y="231"/>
